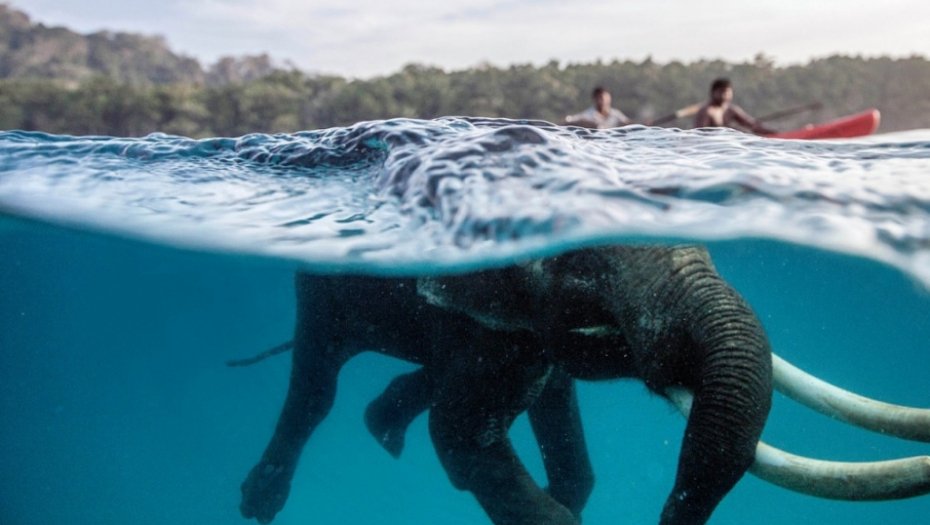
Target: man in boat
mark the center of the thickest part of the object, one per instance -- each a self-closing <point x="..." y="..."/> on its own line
<point x="600" y="115"/>
<point x="720" y="111"/>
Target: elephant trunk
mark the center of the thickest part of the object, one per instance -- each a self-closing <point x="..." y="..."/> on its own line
<point x="732" y="382"/>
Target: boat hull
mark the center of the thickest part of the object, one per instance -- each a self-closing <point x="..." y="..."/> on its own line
<point x="858" y="125"/>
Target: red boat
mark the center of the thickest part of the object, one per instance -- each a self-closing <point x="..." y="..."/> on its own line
<point x="857" y="125"/>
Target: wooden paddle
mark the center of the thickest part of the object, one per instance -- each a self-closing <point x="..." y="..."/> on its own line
<point x="814" y="106"/>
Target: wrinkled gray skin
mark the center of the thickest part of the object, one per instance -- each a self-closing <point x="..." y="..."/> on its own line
<point x="341" y="316"/>
<point x="673" y="322"/>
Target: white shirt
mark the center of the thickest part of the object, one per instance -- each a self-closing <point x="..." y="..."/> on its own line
<point x="614" y="118"/>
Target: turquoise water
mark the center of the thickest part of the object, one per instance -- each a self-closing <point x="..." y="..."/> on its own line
<point x="132" y="269"/>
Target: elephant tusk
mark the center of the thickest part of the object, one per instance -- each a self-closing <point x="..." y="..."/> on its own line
<point x="893" y="420"/>
<point x="873" y="481"/>
<point x="870" y="481"/>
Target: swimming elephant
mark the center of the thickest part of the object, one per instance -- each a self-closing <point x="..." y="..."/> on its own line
<point x="659" y="314"/>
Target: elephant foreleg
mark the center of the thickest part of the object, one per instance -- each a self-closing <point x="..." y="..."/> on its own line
<point x="469" y="427"/>
<point x="554" y="417"/>
<point x="556" y="422"/>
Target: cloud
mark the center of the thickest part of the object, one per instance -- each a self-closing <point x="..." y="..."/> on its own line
<point x="362" y="38"/>
<point x="377" y="37"/>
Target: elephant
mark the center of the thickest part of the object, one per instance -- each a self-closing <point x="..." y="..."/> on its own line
<point x="656" y="313"/>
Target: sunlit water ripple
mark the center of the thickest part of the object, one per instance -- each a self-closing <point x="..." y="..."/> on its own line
<point x="410" y="196"/>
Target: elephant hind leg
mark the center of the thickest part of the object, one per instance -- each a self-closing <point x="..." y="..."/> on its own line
<point x="310" y="396"/>
<point x="389" y="415"/>
<point x="469" y="427"/>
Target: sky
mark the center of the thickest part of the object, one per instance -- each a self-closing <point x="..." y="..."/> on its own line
<point x="366" y="38"/>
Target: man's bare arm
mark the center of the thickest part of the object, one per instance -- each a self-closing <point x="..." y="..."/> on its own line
<point x="743" y="118"/>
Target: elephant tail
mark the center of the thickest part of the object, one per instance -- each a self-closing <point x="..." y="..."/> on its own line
<point x="257" y="358"/>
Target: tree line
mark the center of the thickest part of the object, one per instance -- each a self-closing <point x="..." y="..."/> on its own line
<point x="30" y="50"/>
<point x="283" y="101"/>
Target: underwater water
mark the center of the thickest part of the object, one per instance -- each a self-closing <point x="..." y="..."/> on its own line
<point x="132" y="269"/>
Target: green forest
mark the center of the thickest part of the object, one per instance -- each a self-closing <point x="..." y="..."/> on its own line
<point x="128" y="85"/>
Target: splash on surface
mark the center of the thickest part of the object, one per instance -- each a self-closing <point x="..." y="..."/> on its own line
<point x="410" y="196"/>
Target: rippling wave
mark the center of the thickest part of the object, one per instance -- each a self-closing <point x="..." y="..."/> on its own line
<point x="410" y="196"/>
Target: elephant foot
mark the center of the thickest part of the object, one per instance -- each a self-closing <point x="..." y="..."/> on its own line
<point x="265" y="491"/>
<point x="389" y="435"/>
<point x="388" y="416"/>
<point x="566" y="501"/>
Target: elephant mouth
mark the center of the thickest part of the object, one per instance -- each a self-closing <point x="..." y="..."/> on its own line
<point x="851" y="481"/>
